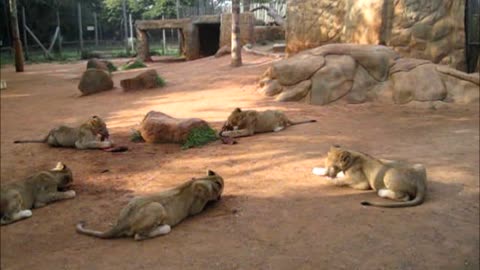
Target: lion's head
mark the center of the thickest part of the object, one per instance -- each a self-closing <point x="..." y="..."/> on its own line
<point x="66" y="178"/>
<point x="210" y="187"/>
<point x="98" y="127"/>
<point x="235" y="120"/>
<point x="337" y="160"/>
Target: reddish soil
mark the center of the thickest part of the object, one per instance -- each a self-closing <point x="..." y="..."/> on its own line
<point x="274" y="214"/>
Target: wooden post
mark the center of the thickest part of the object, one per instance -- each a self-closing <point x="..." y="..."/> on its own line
<point x="236" y="45"/>
<point x="96" y="28"/>
<point x="125" y="22"/>
<point x="60" y="38"/>
<point x="25" y="41"/>
<point x="17" y="44"/>
<point x="164" y="42"/>
<point x="131" y="31"/>
<point x="80" y="30"/>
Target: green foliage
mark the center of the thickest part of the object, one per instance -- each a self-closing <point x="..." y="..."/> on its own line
<point x="133" y="65"/>
<point x="136" y="136"/>
<point x="111" y="67"/>
<point x="160" y="81"/>
<point x="200" y="136"/>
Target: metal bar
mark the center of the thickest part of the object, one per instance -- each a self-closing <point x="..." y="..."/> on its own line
<point x="38" y="42"/>
<point x="80" y="31"/>
<point x="25" y="41"/>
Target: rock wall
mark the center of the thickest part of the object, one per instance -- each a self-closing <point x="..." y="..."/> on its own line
<point x="425" y="29"/>
<point x="352" y="73"/>
<point x="247" y="21"/>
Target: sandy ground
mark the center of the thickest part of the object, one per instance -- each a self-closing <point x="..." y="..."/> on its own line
<point x="274" y="214"/>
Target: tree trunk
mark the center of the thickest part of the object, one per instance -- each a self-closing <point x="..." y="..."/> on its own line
<point x="246" y="5"/>
<point x="17" y="45"/>
<point x="236" y="46"/>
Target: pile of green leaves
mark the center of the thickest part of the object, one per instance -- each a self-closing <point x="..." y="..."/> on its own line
<point x="133" y="65"/>
<point x="160" y="81"/>
<point x="200" y="136"/>
<point x="136" y="136"/>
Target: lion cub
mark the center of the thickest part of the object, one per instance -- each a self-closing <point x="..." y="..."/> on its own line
<point x="93" y="134"/>
<point x="153" y="215"/>
<point x="38" y="190"/>
<point x="391" y="179"/>
<point x="246" y="123"/>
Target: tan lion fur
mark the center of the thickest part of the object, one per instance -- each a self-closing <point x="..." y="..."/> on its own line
<point x="246" y="123"/>
<point x="153" y="215"/>
<point x="36" y="191"/>
<point x="391" y="179"/>
<point x="93" y="134"/>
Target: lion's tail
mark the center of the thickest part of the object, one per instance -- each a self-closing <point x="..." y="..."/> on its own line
<point x="419" y="197"/>
<point x="301" y="122"/>
<point x="31" y="141"/>
<point x="114" y="232"/>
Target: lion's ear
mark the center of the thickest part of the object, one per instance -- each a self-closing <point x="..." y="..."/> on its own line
<point x="345" y="157"/>
<point x="237" y="110"/>
<point x="335" y="146"/>
<point x="60" y="167"/>
<point x="200" y="190"/>
<point x="210" y="173"/>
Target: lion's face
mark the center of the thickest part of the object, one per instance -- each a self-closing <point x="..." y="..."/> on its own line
<point x="99" y="127"/>
<point x="66" y="178"/>
<point x="209" y="188"/>
<point x="235" y="120"/>
<point x="337" y="160"/>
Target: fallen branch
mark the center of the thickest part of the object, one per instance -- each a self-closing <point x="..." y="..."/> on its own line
<point x="272" y="13"/>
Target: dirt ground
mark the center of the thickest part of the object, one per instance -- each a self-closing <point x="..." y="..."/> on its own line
<point x="274" y="214"/>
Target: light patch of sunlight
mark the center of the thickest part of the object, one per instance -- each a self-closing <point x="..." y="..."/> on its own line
<point x="15" y="95"/>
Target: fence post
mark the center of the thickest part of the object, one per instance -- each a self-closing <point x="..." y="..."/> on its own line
<point x="131" y="32"/>
<point x="60" y="38"/>
<point x="96" y="28"/>
<point x="163" y="34"/>
<point x="24" y="23"/>
<point x="125" y="22"/>
<point x="80" y="30"/>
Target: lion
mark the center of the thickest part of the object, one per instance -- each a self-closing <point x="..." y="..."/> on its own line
<point x="246" y="123"/>
<point x="391" y="179"/>
<point x="154" y="215"/>
<point x="93" y="134"/>
<point x="38" y="190"/>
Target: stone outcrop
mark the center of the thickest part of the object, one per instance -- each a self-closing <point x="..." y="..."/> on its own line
<point x="158" y="127"/>
<point x="426" y="29"/>
<point x="95" y="80"/>
<point x="101" y="64"/>
<point x="145" y="80"/>
<point x="359" y="73"/>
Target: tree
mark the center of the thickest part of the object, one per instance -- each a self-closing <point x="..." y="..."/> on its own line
<point x="236" y="46"/>
<point x="17" y="45"/>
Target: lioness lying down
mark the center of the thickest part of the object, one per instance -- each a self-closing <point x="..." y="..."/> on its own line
<point x="150" y="216"/>
<point x="92" y="134"/>
<point x="38" y="190"/>
<point x="246" y="123"/>
<point x="391" y="179"/>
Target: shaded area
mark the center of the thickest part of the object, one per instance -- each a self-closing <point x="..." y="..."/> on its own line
<point x="209" y="38"/>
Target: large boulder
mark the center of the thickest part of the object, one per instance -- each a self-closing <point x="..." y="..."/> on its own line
<point x="101" y="64"/>
<point x="94" y="81"/>
<point x="158" y="127"/>
<point x="145" y="80"/>
<point x="360" y="73"/>
<point x="334" y="80"/>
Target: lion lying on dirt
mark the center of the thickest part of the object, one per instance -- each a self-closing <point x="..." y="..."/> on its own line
<point x="150" y="216"/>
<point x="246" y="123"/>
<point x="38" y="190"/>
<point x="93" y="134"/>
<point x="391" y="179"/>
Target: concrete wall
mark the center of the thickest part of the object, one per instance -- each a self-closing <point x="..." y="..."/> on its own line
<point x="426" y="29"/>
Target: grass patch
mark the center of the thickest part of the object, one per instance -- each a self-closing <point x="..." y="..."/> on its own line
<point x="160" y="81"/>
<point x="136" y="136"/>
<point x="133" y="65"/>
<point x="200" y="136"/>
